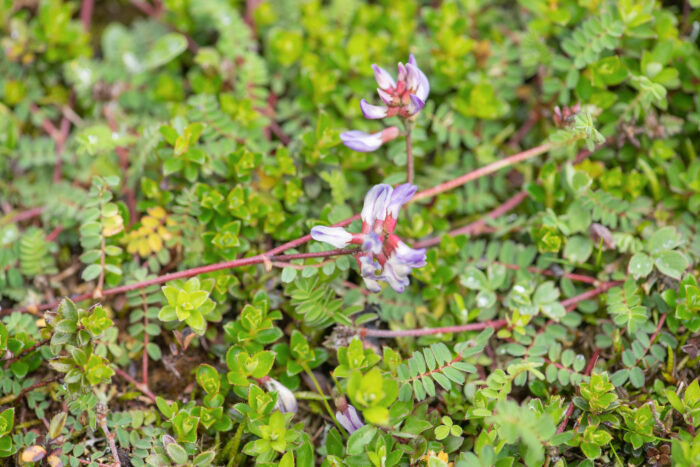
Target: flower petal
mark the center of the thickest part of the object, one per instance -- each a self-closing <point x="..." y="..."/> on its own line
<point x="336" y="236"/>
<point x="372" y="243"/>
<point x="373" y="111"/>
<point x="376" y="201"/>
<point x="417" y="82"/>
<point x="401" y="195"/>
<point x="411" y="257"/>
<point x="384" y="78"/>
<point x="387" y="98"/>
<point x="361" y="141"/>
<point x="397" y="281"/>
<point x="415" y="105"/>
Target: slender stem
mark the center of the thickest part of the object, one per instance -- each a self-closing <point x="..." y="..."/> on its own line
<point x="144" y="358"/>
<point x="12" y="397"/>
<point x="236" y="443"/>
<point x="102" y="420"/>
<point x="258" y="259"/>
<point x="147" y="392"/>
<point x="428" y="331"/>
<point x="571" y="303"/>
<point x="325" y="402"/>
<point x="9" y="361"/>
<point x="486" y="170"/>
<point x="409" y="153"/>
<point x="653" y="337"/>
<point x="101" y="279"/>
<point x="25" y="215"/>
<point x="476" y="226"/>
<point x="86" y="13"/>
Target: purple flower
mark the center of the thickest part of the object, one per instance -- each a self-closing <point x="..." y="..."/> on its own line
<point x="382" y="256"/>
<point x="384" y="78"/>
<point x="372" y="112"/>
<point x="336" y="236"/>
<point x="367" y="142"/>
<point x="286" y="402"/>
<point x="349" y="419"/>
<point x="397" y="281"/>
<point x="401" y="195"/>
<point x="422" y="89"/>
<point x="368" y="269"/>
<point x="376" y="201"/>
<point x="372" y="243"/>
<point x="406" y="258"/>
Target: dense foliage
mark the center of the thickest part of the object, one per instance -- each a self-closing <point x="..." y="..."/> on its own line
<point x="162" y="164"/>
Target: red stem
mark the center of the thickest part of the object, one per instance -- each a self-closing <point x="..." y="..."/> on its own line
<point x="258" y="259"/>
<point x="486" y="170"/>
<point x="26" y="215"/>
<point x="86" y="13"/>
<point x="476" y="226"/>
<point x="147" y="392"/>
<point x="428" y="331"/>
<point x="570" y="303"/>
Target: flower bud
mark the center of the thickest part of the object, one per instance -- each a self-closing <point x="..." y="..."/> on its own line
<point x="286" y="402"/>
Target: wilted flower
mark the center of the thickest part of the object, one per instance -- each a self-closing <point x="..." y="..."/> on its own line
<point x="382" y="255"/>
<point x="349" y="420"/>
<point x="286" y="402"/>
<point x="348" y="417"/>
<point x="404" y="97"/>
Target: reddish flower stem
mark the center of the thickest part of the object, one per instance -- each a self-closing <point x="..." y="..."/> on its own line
<point x="571" y="303"/>
<point x="476" y="226"/>
<point x="86" y="13"/>
<point x="144" y="389"/>
<point x="428" y="331"/>
<point x="259" y="259"/>
<point x="486" y="170"/>
<point x="26" y="215"/>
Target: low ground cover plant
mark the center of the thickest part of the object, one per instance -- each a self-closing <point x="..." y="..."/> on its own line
<point x="219" y="246"/>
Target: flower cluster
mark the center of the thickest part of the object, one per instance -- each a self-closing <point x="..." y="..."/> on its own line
<point x="404" y="97"/>
<point x="382" y="256"/>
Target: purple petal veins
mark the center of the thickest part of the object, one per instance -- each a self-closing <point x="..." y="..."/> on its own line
<point x="349" y="419"/>
<point x="376" y="201"/>
<point x="400" y="196"/>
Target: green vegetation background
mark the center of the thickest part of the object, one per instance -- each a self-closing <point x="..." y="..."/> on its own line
<point x="141" y="138"/>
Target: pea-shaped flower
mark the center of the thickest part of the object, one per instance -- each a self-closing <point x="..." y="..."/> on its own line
<point x="404" y="97"/>
<point x="382" y="256"/>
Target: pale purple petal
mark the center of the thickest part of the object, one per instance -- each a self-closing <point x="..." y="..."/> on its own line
<point x="384" y="79"/>
<point x="336" y="236"/>
<point x="417" y="82"/>
<point x="372" y="243"/>
<point x="349" y="419"/>
<point x="415" y="105"/>
<point x="400" y="196"/>
<point x="411" y="257"/>
<point x="373" y="111"/>
<point x="368" y="266"/>
<point x="376" y="201"/>
<point x="354" y="417"/>
<point x="397" y="281"/>
<point x="372" y="284"/>
<point x="361" y="141"/>
<point x="387" y="98"/>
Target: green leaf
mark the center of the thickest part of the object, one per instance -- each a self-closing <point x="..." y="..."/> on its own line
<point x="360" y="439"/>
<point x="671" y="263"/>
<point x="640" y="265"/>
<point x="91" y="272"/>
<point x="165" y="49"/>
